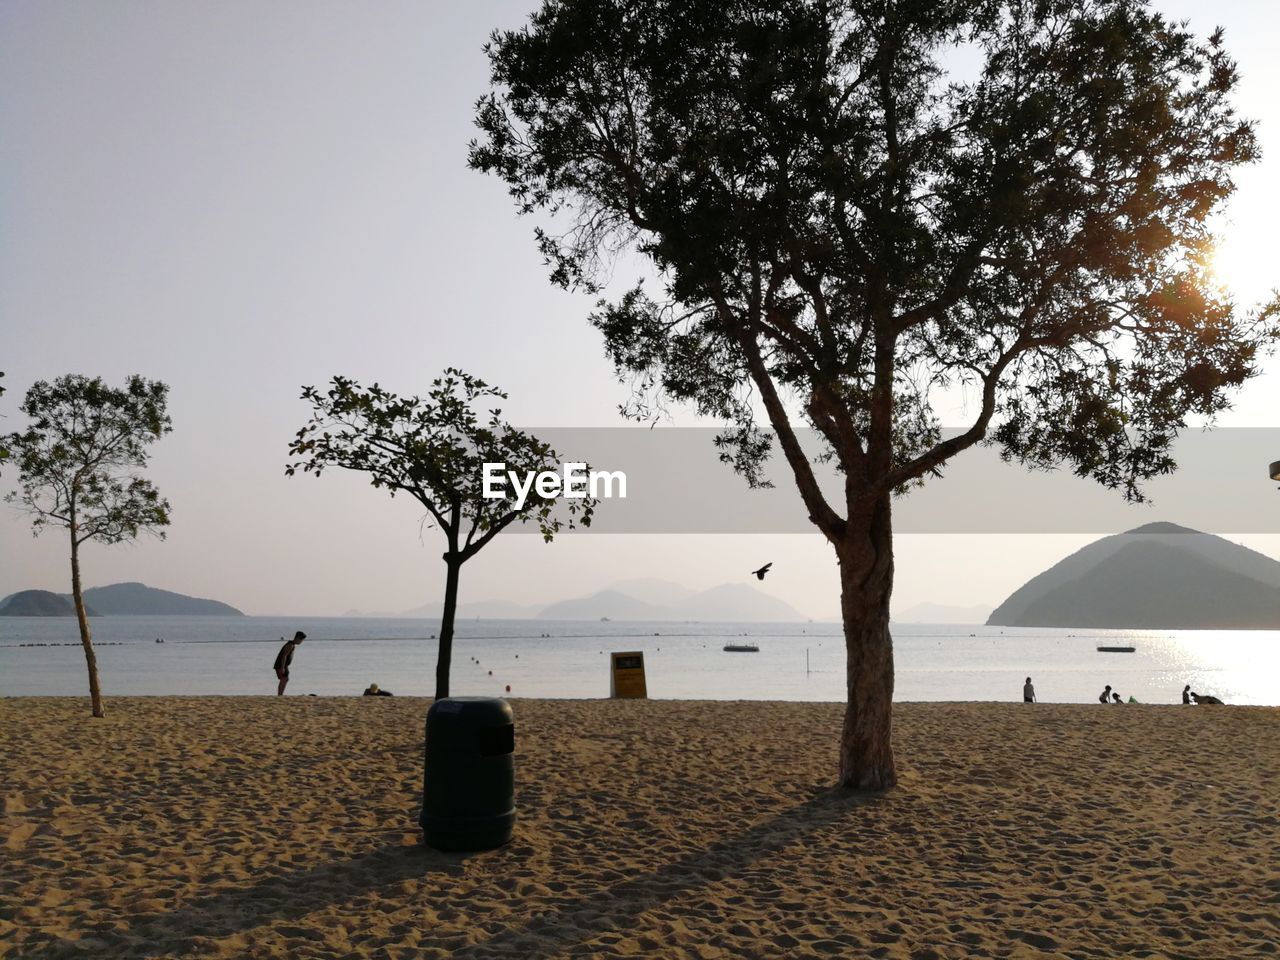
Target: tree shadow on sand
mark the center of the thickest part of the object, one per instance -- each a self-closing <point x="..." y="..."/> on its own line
<point x="282" y="896"/>
<point x="295" y="894"/>
<point x="616" y="908"/>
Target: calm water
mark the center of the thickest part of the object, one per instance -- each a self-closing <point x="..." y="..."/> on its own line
<point x="233" y="655"/>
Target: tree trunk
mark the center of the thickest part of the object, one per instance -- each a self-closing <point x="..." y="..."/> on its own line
<point x="866" y="584"/>
<point x="445" y="656"/>
<point x="86" y="636"/>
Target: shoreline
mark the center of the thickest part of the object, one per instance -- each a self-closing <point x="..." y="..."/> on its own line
<point x="263" y="826"/>
<point x="513" y="699"/>
<point x="928" y="668"/>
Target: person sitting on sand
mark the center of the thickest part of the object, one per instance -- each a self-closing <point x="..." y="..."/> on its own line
<point x="1105" y="695"/>
<point x="373" y="691"/>
<point x="1028" y="692"/>
<point x="284" y="658"/>
<point x="1115" y="698"/>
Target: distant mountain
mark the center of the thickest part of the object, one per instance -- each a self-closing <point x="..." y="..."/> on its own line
<point x="652" y="590"/>
<point x="730" y="601"/>
<point x="606" y="603"/>
<point x="941" y="613"/>
<point x="116" y="600"/>
<point x="139" y="600"/>
<point x="483" y="609"/>
<point x="1159" y="576"/>
<point x="734" y="601"/>
<point x="642" y="599"/>
<point x="40" y="603"/>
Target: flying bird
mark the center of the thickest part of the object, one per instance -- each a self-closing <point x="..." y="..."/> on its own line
<point x="759" y="574"/>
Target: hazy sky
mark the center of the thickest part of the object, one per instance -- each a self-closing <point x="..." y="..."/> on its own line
<point x="240" y="198"/>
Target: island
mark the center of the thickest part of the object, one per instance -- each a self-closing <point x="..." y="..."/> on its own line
<point x="115" y="600"/>
<point x="40" y="603"/>
<point x="1157" y="576"/>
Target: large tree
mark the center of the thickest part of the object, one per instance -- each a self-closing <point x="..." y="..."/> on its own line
<point x="856" y="207"/>
<point x="79" y="468"/>
<point x="434" y="449"/>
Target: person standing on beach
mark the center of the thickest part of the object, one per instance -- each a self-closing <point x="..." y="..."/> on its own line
<point x="284" y="658"/>
<point x="1028" y="692"/>
<point x="1186" y="693"/>
<point x="1105" y="695"/>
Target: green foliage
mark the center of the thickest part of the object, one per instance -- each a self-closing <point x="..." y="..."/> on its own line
<point x="845" y="228"/>
<point x="433" y="449"/>
<point x="80" y="457"/>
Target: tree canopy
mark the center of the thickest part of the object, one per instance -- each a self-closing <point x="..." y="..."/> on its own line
<point x="859" y="209"/>
<point x="434" y="449"/>
<point x="841" y="213"/>
<point x="81" y="456"/>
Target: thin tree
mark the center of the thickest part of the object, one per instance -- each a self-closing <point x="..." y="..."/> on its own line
<point x="4" y="453"/>
<point x="855" y="208"/>
<point x="79" y="468"/>
<point x="434" y="449"/>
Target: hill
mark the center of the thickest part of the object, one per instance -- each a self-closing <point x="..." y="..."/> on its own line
<point x="41" y="603"/>
<point x="1158" y="576"/>
<point x="116" y="600"/>
<point x="653" y="590"/>
<point x="605" y="603"/>
<point x="139" y="600"/>
<point x="483" y="609"/>
<point x="641" y="599"/>
<point x="727" y="602"/>
<point x="734" y="601"/>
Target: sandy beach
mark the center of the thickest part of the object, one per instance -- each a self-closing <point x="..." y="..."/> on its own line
<point x="265" y="827"/>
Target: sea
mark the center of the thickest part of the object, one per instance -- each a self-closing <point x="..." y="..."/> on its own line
<point x="42" y="656"/>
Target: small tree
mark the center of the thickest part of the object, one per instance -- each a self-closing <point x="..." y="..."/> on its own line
<point x="78" y="466"/>
<point x="4" y="453"/>
<point x="846" y="230"/>
<point x="434" y="450"/>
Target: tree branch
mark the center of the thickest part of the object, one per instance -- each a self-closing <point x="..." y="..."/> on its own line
<point x="820" y="512"/>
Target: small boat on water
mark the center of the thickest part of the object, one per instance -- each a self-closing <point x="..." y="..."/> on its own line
<point x="741" y="648"/>
<point x="1116" y="649"/>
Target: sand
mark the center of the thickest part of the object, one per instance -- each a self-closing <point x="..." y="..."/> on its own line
<point x="265" y="827"/>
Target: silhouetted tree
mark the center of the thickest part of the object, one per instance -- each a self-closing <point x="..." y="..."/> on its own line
<point x="78" y="467"/>
<point x="4" y="453"/>
<point x="846" y="222"/>
<point x="434" y="450"/>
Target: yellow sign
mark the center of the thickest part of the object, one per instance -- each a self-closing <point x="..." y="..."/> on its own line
<point x="627" y="679"/>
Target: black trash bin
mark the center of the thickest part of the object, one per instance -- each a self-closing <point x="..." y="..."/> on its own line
<point x="469" y="784"/>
